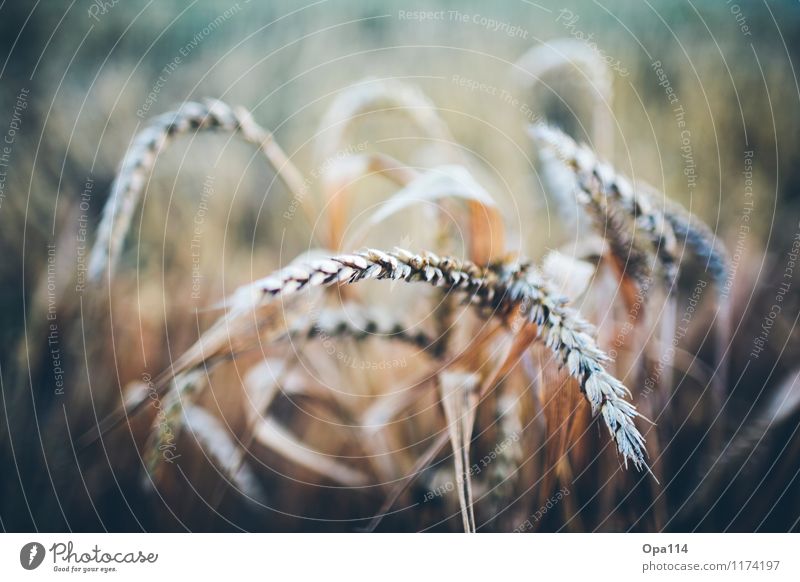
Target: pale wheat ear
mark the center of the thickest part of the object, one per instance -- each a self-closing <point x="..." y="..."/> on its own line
<point x="182" y="419"/>
<point x="138" y="162"/>
<point x="223" y="450"/>
<point x="168" y="427"/>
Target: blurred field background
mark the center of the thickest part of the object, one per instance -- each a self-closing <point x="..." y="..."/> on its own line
<point x="89" y="76"/>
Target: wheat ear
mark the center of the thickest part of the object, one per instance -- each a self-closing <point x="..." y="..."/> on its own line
<point x="141" y="156"/>
<point x="359" y="325"/>
<point x="505" y="290"/>
<point x="701" y="239"/>
<point x="664" y="229"/>
<point x="605" y="191"/>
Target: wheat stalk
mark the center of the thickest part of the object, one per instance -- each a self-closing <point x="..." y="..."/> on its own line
<point x="459" y="399"/>
<point x="141" y="156"/>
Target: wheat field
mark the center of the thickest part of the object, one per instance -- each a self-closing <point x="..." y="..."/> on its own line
<point x="393" y="266"/>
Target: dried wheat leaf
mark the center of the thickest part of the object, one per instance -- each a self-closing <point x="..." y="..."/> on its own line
<point x="560" y="406"/>
<point x="339" y="176"/>
<point x="485" y="223"/>
<point x="459" y="396"/>
<point x="386" y="408"/>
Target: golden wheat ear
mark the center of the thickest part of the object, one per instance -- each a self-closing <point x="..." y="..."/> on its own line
<point x="131" y="179"/>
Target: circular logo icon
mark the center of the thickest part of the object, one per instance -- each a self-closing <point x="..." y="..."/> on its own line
<point x="31" y="555"/>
